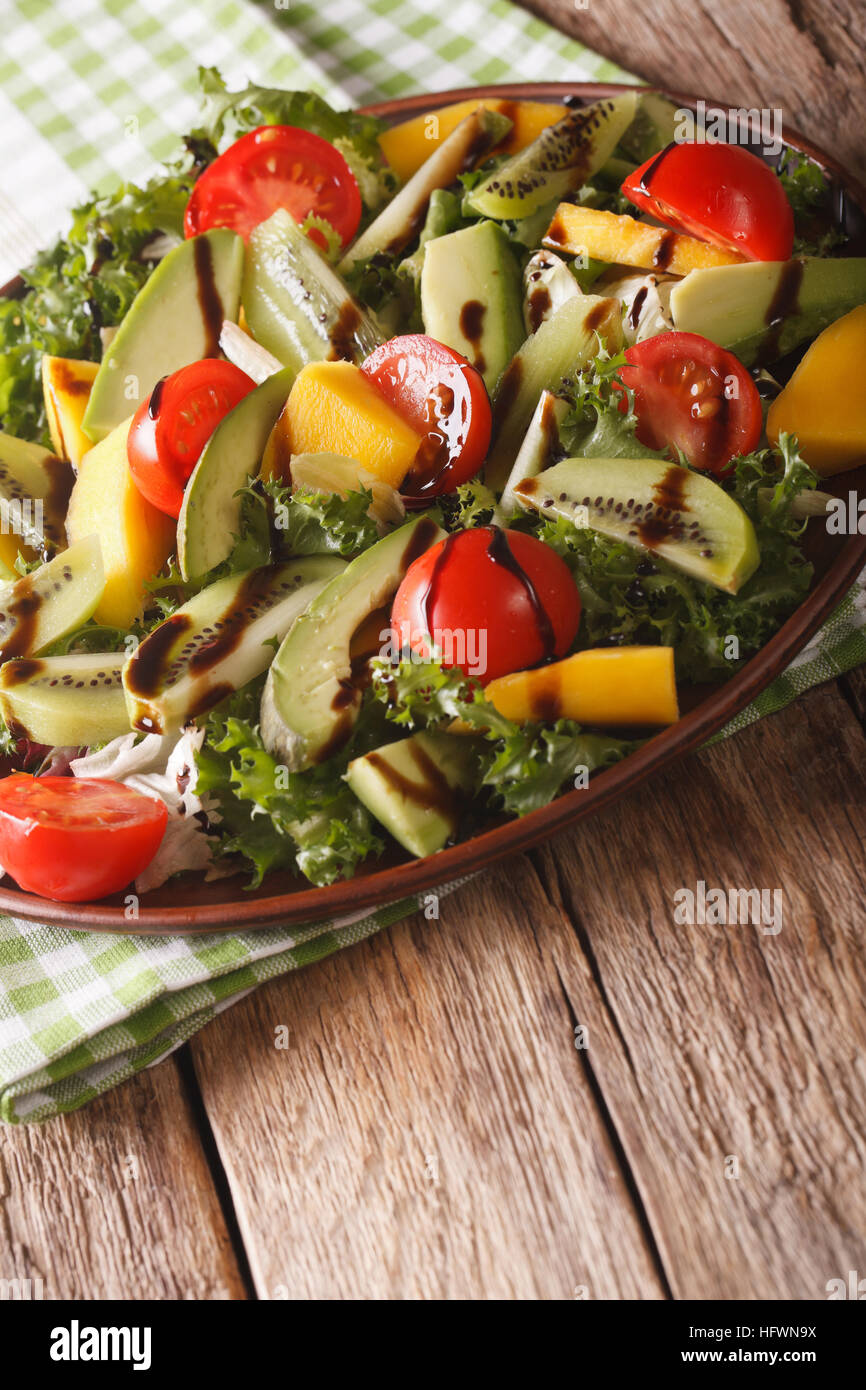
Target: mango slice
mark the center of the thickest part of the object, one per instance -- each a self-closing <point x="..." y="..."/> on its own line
<point x="66" y="386"/>
<point x="406" y="146"/>
<point x="824" y="403"/>
<point x="608" y="236"/>
<point x="334" y="408"/>
<point x="607" y="686"/>
<point x="136" y="538"/>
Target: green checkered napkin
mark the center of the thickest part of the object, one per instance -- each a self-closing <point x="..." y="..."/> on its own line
<point x="105" y="94"/>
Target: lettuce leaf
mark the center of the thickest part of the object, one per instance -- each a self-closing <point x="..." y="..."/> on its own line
<point x="226" y="115"/>
<point x="86" y="281"/>
<point x="522" y="766"/>
<point x="631" y="596"/>
<point x="307" y="821"/>
<point x="595" y="427"/>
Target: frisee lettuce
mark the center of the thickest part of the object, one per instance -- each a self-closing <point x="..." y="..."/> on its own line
<point x="227" y="115"/>
<point x="308" y="821"/>
<point x="88" y="279"/>
<point x="630" y="596"/>
<point x="596" y="427"/>
<point x="520" y="766"/>
<point x="808" y="192"/>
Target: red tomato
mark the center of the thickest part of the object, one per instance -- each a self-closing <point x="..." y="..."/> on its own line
<point x="439" y="393"/>
<point x="691" y="394"/>
<point x="722" y="193"/>
<point x="276" y="166"/>
<point x="493" y="601"/>
<point x="72" y="839"/>
<point x="172" y="426"/>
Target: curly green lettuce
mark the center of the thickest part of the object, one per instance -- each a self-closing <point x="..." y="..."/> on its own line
<point x="520" y="766"/>
<point x="309" y="822"/>
<point x="88" y="279"/>
<point x="630" y="596"/>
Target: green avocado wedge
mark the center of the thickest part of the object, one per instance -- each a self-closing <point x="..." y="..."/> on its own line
<point x="310" y="700"/>
<point x="210" y="515"/>
<point x="174" y="319"/>
<point x="763" y="309"/>
<point x="414" y="787"/>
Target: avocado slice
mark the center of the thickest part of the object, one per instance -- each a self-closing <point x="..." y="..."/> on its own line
<point x="401" y="220"/>
<point x="470" y="297"/>
<point x="67" y="701"/>
<point x="52" y="601"/>
<point x="657" y="122"/>
<point x="561" y="159"/>
<point x="414" y="787"/>
<point x="34" y="493"/>
<point x="296" y="305"/>
<point x="210" y="515"/>
<point x="310" y="701"/>
<point x="763" y="309"/>
<point x="683" y="516"/>
<point x="218" y="641"/>
<point x="174" y="319"/>
<point x="558" y="349"/>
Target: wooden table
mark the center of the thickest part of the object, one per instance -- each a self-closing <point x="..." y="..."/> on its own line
<point x="554" y="1091"/>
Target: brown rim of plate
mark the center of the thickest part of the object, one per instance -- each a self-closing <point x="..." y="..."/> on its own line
<point x="387" y="885"/>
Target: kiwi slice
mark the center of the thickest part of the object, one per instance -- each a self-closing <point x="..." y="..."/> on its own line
<point x="561" y="159"/>
<point x="683" y="516"/>
<point x="71" y="701"/>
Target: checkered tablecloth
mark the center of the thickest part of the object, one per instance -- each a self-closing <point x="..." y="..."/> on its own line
<point x="93" y="90"/>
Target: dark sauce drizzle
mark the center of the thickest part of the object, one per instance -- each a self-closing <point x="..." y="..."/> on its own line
<point x="155" y="402"/>
<point x="785" y="301"/>
<point x="208" y="296"/>
<point x="432" y="794"/>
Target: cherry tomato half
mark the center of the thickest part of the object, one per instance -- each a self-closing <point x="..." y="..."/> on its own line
<point x="276" y="166"/>
<point x="493" y="601"/>
<point x="72" y="839"/>
<point x="722" y="193"/>
<point x="440" y="394"/>
<point x="696" y="396"/>
<point x="170" y="429"/>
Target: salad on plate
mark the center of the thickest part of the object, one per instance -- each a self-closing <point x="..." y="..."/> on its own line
<point x="362" y="485"/>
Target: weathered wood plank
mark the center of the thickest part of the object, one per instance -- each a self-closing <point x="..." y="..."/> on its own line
<point x="722" y="1043"/>
<point x="116" y="1200"/>
<point x="430" y="1132"/>
<point x="807" y="57"/>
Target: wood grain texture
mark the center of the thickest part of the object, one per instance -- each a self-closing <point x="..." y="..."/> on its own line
<point x="116" y="1200"/>
<point x="448" y="1049"/>
<point x="431" y="1132"/>
<point x="720" y="1041"/>
<point x="807" y="57"/>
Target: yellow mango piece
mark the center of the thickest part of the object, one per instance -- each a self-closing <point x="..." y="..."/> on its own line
<point x="607" y="686"/>
<point x="136" y="539"/>
<point x="10" y="545"/>
<point x="406" y="146"/>
<point x="334" y="408"/>
<point x="613" y="237"/>
<point x="66" y="386"/>
<point x="824" y="403"/>
<point x="277" y="458"/>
